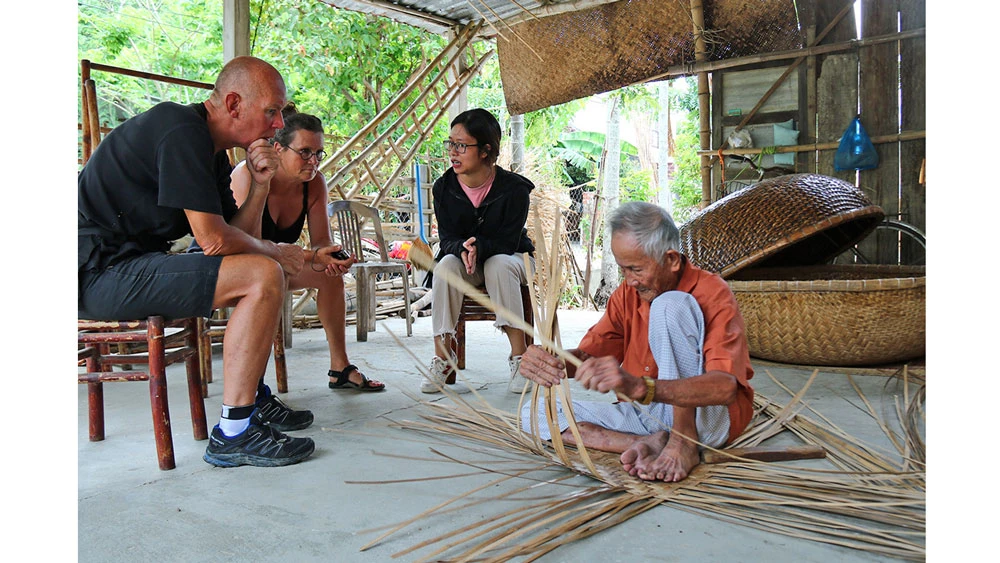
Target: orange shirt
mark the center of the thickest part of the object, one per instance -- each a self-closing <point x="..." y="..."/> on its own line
<point x="623" y="333"/>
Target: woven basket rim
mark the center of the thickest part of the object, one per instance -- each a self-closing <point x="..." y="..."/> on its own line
<point x="886" y="282"/>
<point x="804" y="233"/>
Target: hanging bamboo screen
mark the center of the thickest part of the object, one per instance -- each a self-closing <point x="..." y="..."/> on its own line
<point x="549" y="61"/>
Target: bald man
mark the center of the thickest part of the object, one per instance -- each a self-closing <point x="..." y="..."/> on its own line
<point x="164" y="174"/>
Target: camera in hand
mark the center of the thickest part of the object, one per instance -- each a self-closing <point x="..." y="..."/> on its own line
<point x="340" y="254"/>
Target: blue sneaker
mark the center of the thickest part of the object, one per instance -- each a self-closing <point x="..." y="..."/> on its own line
<point x="258" y="445"/>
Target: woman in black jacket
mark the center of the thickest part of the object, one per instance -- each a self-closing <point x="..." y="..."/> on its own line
<point x="481" y="210"/>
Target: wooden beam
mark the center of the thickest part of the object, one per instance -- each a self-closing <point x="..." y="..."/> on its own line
<point x="751" y="60"/>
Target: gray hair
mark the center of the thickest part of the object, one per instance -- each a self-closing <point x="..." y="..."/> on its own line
<point x="651" y="226"/>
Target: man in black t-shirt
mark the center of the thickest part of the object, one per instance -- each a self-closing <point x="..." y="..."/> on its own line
<point x="163" y="174"/>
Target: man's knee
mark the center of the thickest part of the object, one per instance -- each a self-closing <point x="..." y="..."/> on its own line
<point x="255" y="274"/>
<point x="677" y="308"/>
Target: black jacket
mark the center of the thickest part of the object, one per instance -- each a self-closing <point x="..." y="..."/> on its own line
<point x="498" y="222"/>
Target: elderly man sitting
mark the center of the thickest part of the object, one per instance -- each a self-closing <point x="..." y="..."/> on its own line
<point x="671" y="339"/>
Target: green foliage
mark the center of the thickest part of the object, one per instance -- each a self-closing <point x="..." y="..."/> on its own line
<point x="685" y="99"/>
<point x="575" y="176"/>
<point x="184" y="41"/>
<point x="583" y="149"/>
<point x="686" y="181"/>
<point x="637" y="186"/>
<point x="340" y="65"/>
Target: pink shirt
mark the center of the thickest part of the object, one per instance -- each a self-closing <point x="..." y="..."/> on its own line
<point x="478" y="194"/>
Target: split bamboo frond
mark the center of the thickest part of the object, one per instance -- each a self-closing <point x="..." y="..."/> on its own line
<point x="874" y="504"/>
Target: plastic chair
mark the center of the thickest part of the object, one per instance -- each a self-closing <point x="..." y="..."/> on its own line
<point x="350" y="218"/>
<point x="94" y="342"/>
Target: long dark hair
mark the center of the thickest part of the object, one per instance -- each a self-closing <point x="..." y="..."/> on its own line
<point x="485" y="128"/>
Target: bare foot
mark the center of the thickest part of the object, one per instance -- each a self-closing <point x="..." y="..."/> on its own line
<point x="643" y="451"/>
<point x="675" y="461"/>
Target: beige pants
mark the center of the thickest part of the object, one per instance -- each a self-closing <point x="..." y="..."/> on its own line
<point x="503" y="276"/>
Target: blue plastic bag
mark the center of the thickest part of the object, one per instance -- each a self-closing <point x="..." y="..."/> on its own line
<point x="856" y="151"/>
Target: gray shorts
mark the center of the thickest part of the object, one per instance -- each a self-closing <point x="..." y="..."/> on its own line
<point x="172" y="285"/>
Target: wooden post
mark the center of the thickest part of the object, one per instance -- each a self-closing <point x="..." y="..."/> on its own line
<point x="86" y="146"/>
<point x="90" y="88"/>
<point x="806" y="162"/>
<point x="879" y="97"/>
<point x="158" y="393"/>
<point x="235" y="29"/>
<point x="836" y="87"/>
<point x="913" y="196"/>
<point x="704" y="107"/>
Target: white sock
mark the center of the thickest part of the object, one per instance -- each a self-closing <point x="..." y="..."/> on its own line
<point x="234" y="420"/>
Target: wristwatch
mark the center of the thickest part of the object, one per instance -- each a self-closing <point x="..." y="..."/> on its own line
<point x="650" y="390"/>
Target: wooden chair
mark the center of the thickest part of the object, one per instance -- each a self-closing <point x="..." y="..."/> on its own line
<point x="215" y="329"/>
<point x="473" y="311"/>
<point x="350" y="217"/>
<point x="95" y="350"/>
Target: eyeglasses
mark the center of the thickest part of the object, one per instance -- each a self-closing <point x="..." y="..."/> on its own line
<point x="306" y="154"/>
<point x="457" y="147"/>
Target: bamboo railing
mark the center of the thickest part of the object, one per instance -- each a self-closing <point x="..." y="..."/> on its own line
<point x="90" y="118"/>
<point x="381" y="151"/>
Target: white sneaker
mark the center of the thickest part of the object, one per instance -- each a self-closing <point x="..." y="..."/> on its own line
<point x="517" y="380"/>
<point x="439" y="372"/>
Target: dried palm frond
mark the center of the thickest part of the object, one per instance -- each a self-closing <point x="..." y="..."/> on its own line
<point x="879" y="510"/>
<point x="865" y="499"/>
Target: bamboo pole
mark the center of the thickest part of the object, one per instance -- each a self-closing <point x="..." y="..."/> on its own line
<point x="894" y="138"/>
<point x="95" y="125"/>
<point x="151" y="76"/>
<point x="704" y="104"/>
<point x="87" y="146"/>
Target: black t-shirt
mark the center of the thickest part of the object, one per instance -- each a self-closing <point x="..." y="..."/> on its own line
<point x="133" y="191"/>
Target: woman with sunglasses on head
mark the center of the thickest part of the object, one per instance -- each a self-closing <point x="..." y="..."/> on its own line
<point x="298" y="193"/>
<point x="481" y="210"/>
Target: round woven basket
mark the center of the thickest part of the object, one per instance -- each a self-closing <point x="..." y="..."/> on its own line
<point x="833" y="315"/>
<point x="793" y="220"/>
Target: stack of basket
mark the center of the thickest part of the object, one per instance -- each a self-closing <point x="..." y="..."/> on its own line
<point x="772" y="242"/>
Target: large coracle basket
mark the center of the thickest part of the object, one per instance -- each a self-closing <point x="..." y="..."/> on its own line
<point x="793" y="220"/>
<point x="853" y="315"/>
<point x="772" y="242"/>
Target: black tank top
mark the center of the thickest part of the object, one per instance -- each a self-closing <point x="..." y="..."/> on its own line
<point x="270" y="231"/>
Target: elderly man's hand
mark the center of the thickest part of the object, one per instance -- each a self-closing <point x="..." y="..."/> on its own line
<point x="542" y="367"/>
<point x="605" y="375"/>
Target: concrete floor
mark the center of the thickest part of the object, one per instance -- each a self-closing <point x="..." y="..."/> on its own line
<point x="129" y="510"/>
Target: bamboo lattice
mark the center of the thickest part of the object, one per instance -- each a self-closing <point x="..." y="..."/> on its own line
<point x="382" y="151"/>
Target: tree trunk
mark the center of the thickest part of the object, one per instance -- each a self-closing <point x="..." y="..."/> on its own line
<point x="612" y="163"/>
